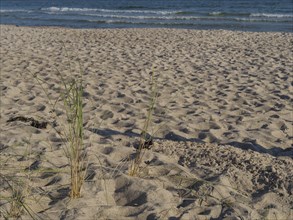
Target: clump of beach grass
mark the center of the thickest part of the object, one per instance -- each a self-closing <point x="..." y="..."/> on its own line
<point x="72" y="133"/>
<point x="17" y="192"/>
<point x="71" y="130"/>
<point x="14" y="199"/>
<point x="145" y="137"/>
<point x="74" y="151"/>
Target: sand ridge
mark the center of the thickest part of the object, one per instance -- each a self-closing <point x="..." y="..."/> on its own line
<point x="223" y="121"/>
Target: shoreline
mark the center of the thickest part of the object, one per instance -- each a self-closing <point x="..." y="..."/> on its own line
<point x="148" y="28"/>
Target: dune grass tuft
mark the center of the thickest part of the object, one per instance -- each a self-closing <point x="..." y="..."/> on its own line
<point x="71" y="129"/>
<point x="72" y="99"/>
<point x="17" y="194"/>
<point x="145" y="137"/>
<point x="15" y="200"/>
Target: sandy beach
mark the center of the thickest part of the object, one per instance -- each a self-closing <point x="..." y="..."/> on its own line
<point x="222" y="124"/>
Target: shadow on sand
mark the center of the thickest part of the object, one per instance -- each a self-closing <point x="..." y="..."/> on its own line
<point x="171" y="136"/>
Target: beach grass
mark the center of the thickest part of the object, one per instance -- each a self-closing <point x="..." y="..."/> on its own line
<point x="18" y="193"/>
<point x="72" y="99"/>
<point x="145" y="137"/>
<point x="71" y="129"/>
<point x="16" y="200"/>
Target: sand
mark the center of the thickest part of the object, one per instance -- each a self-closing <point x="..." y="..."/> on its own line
<point x="222" y="125"/>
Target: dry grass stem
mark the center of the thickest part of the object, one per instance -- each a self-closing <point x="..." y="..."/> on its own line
<point x="145" y="138"/>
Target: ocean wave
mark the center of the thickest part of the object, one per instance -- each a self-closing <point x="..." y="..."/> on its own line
<point x="172" y="18"/>
<point x="75" y="20"/>
<point x="149" y="24"/>
<point x="184" y="13"/>
<point x="66" y="9"/>
<point x="220" y="13"/>
<point x="138" y="7"/>
<point x="14" y="10"/>
<point x="161" y="18"/>
<point x="139" y="22"/>
<point x="261" y="20"/>
<point x="216" y="13"/>
<point x="145" y="17"/>
<point x="272" y="15"/>
<point x="63" y="9"/>
<point x="181" y="18"/>
<point x="135" y="22"/>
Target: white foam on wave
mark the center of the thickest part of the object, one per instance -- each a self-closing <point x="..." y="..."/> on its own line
<point x="137" y="22"/>
<point x="272" y="15"/>
<point x="259" y="19"/>
<point x="216" y="13"/>
<point x="142" y="23"/>
<point x="13" y="10"/>
<point x="143" y="17"/>
<point x="66" y="9"/>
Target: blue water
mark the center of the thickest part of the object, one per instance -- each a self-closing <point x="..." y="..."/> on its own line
<point x="243" y="15"/>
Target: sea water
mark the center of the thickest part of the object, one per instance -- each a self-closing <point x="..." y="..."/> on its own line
<point x="241" y="15"/>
